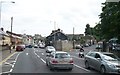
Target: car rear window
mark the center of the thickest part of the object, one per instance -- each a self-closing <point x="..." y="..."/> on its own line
<point x="62" y="55"/>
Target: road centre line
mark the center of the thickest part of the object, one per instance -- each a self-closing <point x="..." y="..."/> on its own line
<point x="77" y="57"/>
<point x="43" y="60"/>
<point x="11" y="70"/>
<point x="37" y="55"/>
<point x="82" y="68"/>
<point x="26" y="53"/>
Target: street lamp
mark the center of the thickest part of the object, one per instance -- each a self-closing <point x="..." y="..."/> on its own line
<point x="1" y="7"/>
<point x="11" y="19"/>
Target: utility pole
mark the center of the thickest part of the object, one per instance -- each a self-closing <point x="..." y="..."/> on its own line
<point x="73" y="38"/>
<point x="11" y="33"/>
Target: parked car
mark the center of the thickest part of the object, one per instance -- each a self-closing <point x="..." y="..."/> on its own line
<point x="59" y="60"/>
<point x="99" y="46"/>
<point x="78" y="47"/>
<point x="19" y="48"/>
<point x="104" y="62"/>
<point x="50" y="49"/>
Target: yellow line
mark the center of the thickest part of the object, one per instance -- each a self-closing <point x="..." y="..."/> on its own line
<point x="7" y="58"/>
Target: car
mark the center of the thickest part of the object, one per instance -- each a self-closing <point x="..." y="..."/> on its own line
<point x="105" y="62"/>
<point x="50" y="49"/>
<point x="19" y="48"/>
<point x="59" y="60"/>
<point x="78" y="46"/>
<point x="86" y="45"/>
<point x="28" y="46"/>
<point x="36" y="46"/>
<point x="99" y="46"/>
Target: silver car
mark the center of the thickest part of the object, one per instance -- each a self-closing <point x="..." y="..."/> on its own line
<point x="50" y="49"/>
<point x="104" y="62"/>
<point x="59" y="60"/>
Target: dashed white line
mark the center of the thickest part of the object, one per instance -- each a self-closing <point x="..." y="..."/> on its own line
<point x="11" y="70"/>
<point x="78" y="57"/>
<point x="12" y="66"/>
<point x="42" y="53"/>
<point x="26" y="53"/>
<point x="81" y="68"/>
<point x="43" y="60"/>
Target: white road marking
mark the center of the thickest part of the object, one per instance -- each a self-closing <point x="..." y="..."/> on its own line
<point x="26" y="53"/>
<point x="82" y="68"/>
<point x="43" y="60"/>
<point x="4" y="72"/>
<point x="11" y="70"/>
<point x="12" y="66"/>
<point x="37" y="55"/>
<point x="77" y="57"/>
<point x="42" y="53"/>
<point x="6" y="63"/>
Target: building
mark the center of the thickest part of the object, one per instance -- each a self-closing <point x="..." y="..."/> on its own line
<point x="16" y="39"/>
<point x="59" y="40"/>
<point x="4" y="38"/>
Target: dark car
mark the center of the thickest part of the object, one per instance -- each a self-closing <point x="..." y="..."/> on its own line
<point x="19" y="48"/>
<point x="28" y="46"/>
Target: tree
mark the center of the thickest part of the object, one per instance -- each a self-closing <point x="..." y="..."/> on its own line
<point x="87" y="30"/>
<point x="110" y="20"/>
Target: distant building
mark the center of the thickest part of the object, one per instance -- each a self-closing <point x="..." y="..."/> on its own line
<point x="59" y="40"/>
<point x="16" y="38"/>
<point x="55" y="36"/>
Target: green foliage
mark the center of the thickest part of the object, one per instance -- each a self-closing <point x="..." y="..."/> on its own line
<point x="109" y="25"/>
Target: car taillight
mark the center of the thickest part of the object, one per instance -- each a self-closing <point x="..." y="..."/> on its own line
<point x="71" y="61"/>
<point x="54" y="61"/>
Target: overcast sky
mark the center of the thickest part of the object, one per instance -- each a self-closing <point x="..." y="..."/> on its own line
<point x="39" y="16"/>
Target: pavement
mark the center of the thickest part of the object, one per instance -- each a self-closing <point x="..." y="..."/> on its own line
<point x="4" y="54"/>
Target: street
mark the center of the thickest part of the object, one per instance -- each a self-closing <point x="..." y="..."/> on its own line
<point x="33" y="60"/>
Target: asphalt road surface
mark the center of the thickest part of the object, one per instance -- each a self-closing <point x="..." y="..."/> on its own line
<point x="32" y="60"/>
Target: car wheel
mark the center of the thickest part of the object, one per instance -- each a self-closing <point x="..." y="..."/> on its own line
<point x="87" y="65"/>
<point x="46" y="63"/>
<point x="102" y="69"/>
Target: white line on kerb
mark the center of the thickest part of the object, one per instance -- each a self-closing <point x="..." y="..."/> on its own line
<point x="43" y="60"/>
<point x="81" y="68"/>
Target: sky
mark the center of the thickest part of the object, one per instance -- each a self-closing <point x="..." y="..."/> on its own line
<point x="42" y="16"/>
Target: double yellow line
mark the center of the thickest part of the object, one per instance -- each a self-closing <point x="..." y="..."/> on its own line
<point x="7" y="58"/>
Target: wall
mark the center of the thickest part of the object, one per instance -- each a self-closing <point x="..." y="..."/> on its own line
<point x="63" y="45"/>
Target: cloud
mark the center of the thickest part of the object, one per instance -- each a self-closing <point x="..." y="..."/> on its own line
<point x="38" y="16"/>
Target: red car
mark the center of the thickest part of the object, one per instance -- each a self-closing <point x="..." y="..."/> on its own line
<point x="19" y="48"/>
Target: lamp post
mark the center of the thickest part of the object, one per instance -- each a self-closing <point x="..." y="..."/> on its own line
<point x="11" y="33"/>
<point x="11" y="19"/>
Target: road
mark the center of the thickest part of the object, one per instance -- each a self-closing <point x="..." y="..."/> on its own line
<point x="32" y="60"/>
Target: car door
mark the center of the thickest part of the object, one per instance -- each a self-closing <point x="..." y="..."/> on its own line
<point x="90" y="59"/>
<point x="97" y="61"/>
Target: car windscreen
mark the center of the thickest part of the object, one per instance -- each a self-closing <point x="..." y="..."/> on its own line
<point x="110" y="57"/>
<point x="51" y="48"/>
<point x="62" y="55"/>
